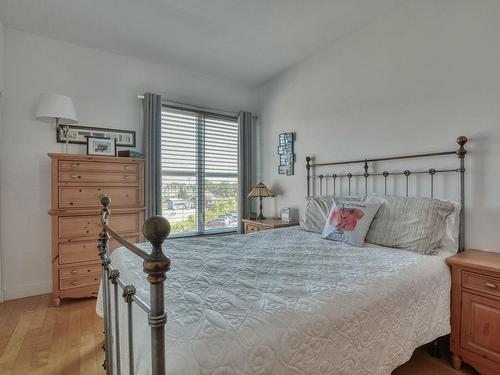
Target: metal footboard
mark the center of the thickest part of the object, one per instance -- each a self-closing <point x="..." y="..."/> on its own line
<point x="155" y="265"/>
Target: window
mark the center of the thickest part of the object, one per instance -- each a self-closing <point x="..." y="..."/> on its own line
<point x="199" y="171"/>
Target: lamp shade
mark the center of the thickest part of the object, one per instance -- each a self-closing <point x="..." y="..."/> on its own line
<point x="53" y="106"/>
<point x="261" y="190"/>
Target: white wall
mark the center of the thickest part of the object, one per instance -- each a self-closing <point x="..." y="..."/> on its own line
<point x="104" y="88"/>
<point x="1" y="127"/>
<point x="411" y="81"/>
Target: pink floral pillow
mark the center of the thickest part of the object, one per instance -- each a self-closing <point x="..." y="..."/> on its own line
<point x="349" y="222"/>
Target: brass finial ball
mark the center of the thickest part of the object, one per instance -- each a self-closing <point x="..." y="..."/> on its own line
<point x="156" y="229"/>
<point x="105" y="201"/>
<point x="462" y="140"/>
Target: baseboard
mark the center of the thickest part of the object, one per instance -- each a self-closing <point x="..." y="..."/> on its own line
<point x="29" y="290"/>
<point x="1" y="295"/>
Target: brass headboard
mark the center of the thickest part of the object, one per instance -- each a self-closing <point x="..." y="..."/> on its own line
<point x="431" y="172"/>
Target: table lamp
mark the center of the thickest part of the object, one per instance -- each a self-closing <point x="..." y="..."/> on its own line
<point x="260" y="190"/>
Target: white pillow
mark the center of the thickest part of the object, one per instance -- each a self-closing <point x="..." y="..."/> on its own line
<point x="449" y="241"/>
<point x="317" y="210"/>
<point x="349" y="222"/>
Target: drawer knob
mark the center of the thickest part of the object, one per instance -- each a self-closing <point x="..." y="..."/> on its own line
<point x="490" y="285"/>
<point x="74" y="283"/>
<point x="125" y="177"/>
<point x="126" y="167"/>
<point x="74" y="176"/>
<point x="74" y="272"/>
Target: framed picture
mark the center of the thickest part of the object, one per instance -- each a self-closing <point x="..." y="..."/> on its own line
<point x="101" y="146"/>
<point x="78" y="134"/>
<point x="286" y="214"/>
<point x="285" y="152"/>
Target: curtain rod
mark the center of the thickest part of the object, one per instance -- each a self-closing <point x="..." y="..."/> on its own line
<point x="193" y="107"/>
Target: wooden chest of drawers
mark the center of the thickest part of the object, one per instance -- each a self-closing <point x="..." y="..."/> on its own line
<point x="78" y="182"/>
<point x="475" y="310"/>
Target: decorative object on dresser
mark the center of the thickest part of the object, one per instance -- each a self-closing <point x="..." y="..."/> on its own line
<point x="262" y="191"/>
<point x="130" y="154"/>
<point x="78" y="182"/>
<point x="475" y="310"/>
<point x="101" y="146"/>
<point x="286" y="153"/>
<point x="258" y="225"/>
<point x="78" y="134"/>
<point x="58" y="109"/>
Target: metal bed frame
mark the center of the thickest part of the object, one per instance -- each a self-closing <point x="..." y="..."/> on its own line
<point x="323" y="178"/>
<point x="156" y="264"/>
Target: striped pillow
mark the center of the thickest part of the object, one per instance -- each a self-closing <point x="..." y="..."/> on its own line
<point x="416" y="224"/>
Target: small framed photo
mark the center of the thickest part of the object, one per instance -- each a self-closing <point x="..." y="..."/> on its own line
<point x="253" y="215"/>
<point x="286" y="214"/>
<point x="101" y="146"/>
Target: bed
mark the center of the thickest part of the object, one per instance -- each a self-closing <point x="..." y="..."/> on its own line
<point x="276" y="302"/>
<point x="289" y="302"/>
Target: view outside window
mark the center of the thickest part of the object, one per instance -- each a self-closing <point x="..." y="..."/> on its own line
<point x="199" y="171"/>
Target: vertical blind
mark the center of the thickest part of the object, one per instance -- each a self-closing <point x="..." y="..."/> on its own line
<point x="199" y="171"/>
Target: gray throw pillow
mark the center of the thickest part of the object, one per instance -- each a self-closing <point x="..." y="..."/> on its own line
<point x="416" y="224"/>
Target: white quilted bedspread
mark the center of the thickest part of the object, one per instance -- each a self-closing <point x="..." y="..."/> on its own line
<point x="289" y="302"/>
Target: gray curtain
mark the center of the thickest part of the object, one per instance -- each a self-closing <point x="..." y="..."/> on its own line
<point x="246" y="164"/>
<point x="152" y="153"/>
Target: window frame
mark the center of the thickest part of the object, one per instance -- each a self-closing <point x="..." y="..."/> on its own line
<point x="200" y="173"/>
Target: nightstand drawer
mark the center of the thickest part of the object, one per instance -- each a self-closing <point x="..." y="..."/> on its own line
<point x="481" y="283"/>
<point x="259" y="225"/>
<point x="251" y="228"/>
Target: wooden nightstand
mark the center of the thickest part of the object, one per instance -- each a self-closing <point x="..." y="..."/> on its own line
<point x="265" y="224"/>
<point x="475" y="310"/>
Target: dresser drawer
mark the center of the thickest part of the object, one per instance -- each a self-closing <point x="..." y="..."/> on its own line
<point x="124" y="177"/>
<point x="78" y="252"/>
<point x="97" y="166"/>
<point x="80" y="197"/>
<point x="90" y="226"/>
<point x="79" y="281"/>
<point x="481" y="283"/>
<point x="86" y="251"/>
<point x="80" y="271"/>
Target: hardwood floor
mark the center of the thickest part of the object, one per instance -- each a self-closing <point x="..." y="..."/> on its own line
<point x="421" y="363"/>
<point x="36" y="338"/>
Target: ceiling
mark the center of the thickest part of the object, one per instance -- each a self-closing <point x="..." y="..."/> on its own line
<point x="246" y="41"/>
